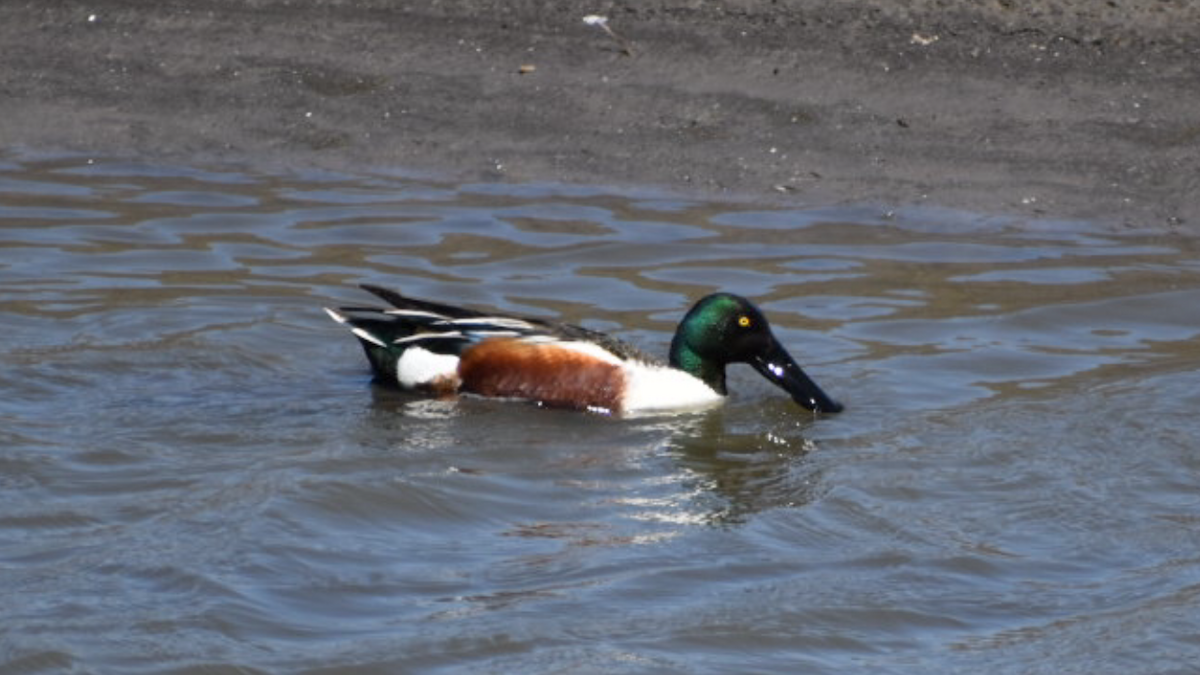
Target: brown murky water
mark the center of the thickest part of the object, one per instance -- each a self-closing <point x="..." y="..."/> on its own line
<point x="198" y="476"/>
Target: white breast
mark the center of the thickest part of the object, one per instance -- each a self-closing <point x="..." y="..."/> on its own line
<point x="653" y="388"/>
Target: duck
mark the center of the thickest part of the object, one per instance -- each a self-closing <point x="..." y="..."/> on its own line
<point x="445" y="350"/>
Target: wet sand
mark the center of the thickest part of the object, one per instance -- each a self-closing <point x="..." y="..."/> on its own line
<point x="1046" y="109"/>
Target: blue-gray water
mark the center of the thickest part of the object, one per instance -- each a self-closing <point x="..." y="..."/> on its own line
<point x="197" y="476"/>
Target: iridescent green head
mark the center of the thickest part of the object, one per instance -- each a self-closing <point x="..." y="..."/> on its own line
<point x="723" y="328"/>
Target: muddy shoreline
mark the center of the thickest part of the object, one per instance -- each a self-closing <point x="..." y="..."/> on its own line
<point x="1048" y="110"/>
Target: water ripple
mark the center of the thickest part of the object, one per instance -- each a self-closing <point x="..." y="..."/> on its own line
<point x="200" y="477"/>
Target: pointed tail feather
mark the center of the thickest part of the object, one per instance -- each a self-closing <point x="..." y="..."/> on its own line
<point x="403" y="302"/>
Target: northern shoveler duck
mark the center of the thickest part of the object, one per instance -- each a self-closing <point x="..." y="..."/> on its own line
<point x="442" y="350"/>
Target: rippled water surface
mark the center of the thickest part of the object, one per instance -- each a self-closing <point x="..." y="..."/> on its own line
<point x="198" y="476"/>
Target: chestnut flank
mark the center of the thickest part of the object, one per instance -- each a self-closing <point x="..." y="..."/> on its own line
<point x="553" y="375"/>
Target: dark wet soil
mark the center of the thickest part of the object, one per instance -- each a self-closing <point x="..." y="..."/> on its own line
<point x="1054" y="109"/>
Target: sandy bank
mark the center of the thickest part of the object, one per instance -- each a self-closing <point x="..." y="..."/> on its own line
<point x="1059" y="109"/>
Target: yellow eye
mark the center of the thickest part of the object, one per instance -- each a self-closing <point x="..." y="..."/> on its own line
<point x="744" y="321"/>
